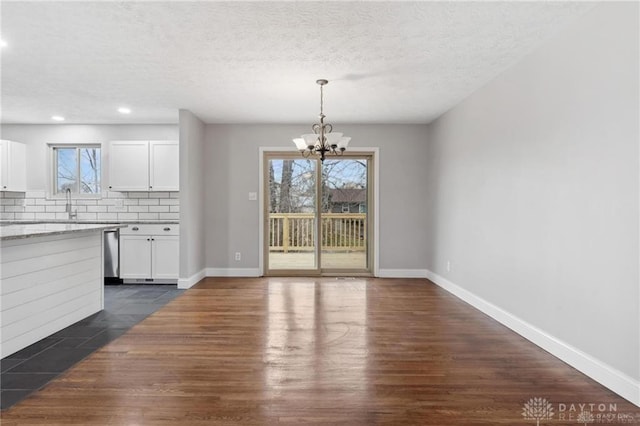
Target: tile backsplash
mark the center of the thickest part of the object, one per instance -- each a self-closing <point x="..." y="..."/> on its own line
<point x="116" y="206"/>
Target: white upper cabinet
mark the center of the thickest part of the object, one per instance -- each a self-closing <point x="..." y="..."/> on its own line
<point x="163" y="166"/>
<point x="129" y="166"/>
<point x="143" y="166"/>
<point x="13" y="166"/>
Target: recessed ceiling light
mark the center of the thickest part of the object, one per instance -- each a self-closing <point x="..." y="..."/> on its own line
<point x="57" y="118"/>
<point x="124" y="110"/>
<point x="3" y="43"/>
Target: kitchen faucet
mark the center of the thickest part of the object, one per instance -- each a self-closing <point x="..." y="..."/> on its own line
<point x="72" y="214"/>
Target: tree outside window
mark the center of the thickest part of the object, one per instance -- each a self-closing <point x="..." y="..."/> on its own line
<point x="77" y="168"/>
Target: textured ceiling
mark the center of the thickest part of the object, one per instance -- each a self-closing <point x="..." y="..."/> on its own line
<point x="257" y="62"/>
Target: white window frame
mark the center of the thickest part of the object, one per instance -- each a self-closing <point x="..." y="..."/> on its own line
<point x="53" y="169"/>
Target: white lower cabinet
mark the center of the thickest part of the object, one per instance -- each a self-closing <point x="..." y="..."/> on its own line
<point x="150" y="251"/>
<point x="164" y="257"/>
<point x="135" y="256"/>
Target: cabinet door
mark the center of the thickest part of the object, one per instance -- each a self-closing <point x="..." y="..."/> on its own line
<point x="129" y="166"/>
<point x="135" y="256"/>
<point x="4" y="162"/>
<point x="17" y="167"/>
<point x="165" y="257"/>
<point x="13" y="166"/>
<point x="163" y="166"/>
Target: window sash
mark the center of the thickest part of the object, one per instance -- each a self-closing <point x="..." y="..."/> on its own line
<point x="75" y="188"/>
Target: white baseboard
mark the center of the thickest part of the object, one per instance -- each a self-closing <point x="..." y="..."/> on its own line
<point x="402" y="273"/>
<point x="185" y="283"/>
<point x="618" y="382"/>
<point x="233" y="272"/>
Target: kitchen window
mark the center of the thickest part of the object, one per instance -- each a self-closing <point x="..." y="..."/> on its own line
<point x="77" y="168"/>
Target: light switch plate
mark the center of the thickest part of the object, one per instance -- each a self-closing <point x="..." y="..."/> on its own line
<point x="253" y="196"/>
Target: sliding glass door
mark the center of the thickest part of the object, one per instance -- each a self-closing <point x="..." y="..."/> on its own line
<point x="344" y="214"/>
<point x="317" y="215"/>
<point x="291" y="219"/>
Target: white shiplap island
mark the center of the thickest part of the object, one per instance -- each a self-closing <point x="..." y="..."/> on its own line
<point x="50" y="277"/>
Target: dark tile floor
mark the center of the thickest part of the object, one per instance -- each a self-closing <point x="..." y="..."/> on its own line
<point x="34" y="366"/>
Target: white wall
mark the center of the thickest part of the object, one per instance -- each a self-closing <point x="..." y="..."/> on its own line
<point x="37" y="136"/>
<point x="534" y="191"/>
<point x="232" y="221"/>
<point x="192" y="193"/>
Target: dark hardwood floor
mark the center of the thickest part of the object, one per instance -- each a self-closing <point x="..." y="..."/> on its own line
<point x="314" y="351"/>
<point x="29" y="369"/>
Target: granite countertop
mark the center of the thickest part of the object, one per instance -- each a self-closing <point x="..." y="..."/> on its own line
<point x="29" y="230"/>
<point x="82" y="222"/>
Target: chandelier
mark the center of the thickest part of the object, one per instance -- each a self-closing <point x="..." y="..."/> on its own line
<point x="322" y="141"/>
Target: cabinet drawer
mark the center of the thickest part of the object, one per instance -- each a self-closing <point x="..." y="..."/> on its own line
<point x="151" y="229"/>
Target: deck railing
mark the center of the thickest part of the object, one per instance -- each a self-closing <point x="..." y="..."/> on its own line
<point x="291" y="232"/>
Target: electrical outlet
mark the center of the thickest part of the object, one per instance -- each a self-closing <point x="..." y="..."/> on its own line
<point x="238" y="255"/>
<point x="448" y="266"/>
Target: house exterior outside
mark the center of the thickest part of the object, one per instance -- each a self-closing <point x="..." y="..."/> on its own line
<point x="348" y="200"/>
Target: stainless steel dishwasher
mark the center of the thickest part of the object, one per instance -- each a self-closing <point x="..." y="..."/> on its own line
<point x="112" y="253"/>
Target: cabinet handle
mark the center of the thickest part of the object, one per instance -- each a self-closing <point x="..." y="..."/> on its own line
<point x="135" y="228"/>
<point x="150" y="186"/>
<point x="148" y="239"/>
<point x="110" y="186"/>
<point x="153" y="239"/>
<point x="167" y="229"/>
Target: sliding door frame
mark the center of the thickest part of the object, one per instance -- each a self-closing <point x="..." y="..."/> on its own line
<point x="372" y="217"/>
